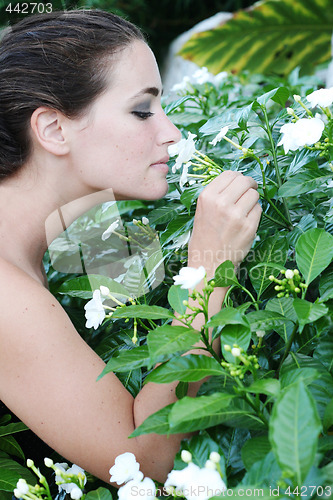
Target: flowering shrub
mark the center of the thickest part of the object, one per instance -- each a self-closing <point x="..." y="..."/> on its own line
<point x="267" y="407"/>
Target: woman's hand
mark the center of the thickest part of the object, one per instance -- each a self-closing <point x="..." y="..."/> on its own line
<point x="226" y="221"/>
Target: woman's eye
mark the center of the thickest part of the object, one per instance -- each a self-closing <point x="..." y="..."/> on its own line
<point x="143" y="115"/>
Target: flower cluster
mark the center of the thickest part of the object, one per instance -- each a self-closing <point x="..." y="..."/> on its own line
<point x="68" y="479"/>
<point x="290" y="285"/>
<point x="199" y="77"/>
<point x="192" y="482"/>
<point x="127" y="470"/>
<point x="195" y="483"/>
<point x="243" y="362"/>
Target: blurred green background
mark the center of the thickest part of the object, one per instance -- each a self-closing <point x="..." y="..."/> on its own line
<point x="161" y="20"/>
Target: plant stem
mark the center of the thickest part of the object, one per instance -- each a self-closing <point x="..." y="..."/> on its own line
<point x="276" y="166"/>
<point x="288" y="346"/>
<point x="274" y="220"/>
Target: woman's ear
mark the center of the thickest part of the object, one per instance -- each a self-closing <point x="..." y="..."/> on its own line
<point x="48" y="127"/>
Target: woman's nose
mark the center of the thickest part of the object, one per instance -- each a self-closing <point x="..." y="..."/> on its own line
<point x="169" y="134"/>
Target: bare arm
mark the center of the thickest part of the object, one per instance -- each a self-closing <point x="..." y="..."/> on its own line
<point x="48" y="373"/>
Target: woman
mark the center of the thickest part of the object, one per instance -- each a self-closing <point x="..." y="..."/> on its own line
<point x="80" y="114"/>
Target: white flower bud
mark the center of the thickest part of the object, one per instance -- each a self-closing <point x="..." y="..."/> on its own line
<point x="289" y="274"/>
<point x="186" y="456"/>
<point x="104" y="290"/>
<point x="297" y="97"/>
<point x="235" y="351"/>
<point x="227" y="347"/>
<point x="215" y="457"/>
<point x="30" y="463"/>
<point x="145" y="220"/>
<point x="17" y="493"/>
<point x="260" y="333"/>
<point x="48" y="462"/>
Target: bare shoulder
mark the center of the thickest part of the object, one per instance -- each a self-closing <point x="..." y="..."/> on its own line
<point x="48" y="377"/>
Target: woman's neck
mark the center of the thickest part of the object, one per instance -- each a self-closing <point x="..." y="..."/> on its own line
<point x="34" y="210"/>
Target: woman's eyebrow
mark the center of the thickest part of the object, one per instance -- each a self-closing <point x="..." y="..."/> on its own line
<point x="148" y="90"/>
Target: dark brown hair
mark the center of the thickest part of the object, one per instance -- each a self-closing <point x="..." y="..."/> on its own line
<point x="55" y="60"/>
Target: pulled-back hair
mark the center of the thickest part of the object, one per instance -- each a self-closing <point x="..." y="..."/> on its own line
<point x="56" y="60"/>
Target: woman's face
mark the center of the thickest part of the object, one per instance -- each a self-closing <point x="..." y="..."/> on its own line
<point x="122" y="142"/>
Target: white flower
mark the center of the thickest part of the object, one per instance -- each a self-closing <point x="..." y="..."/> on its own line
<point x="196" y="483"/>
<point x="125" y="469"/>
<point x="289" y="274"/>
<point x="134" y="489"/>
<point x="21" y="489"/>
<point x="181" y="241"/>
<point x="260" y="333"/>
<point x="223" y="132"/>
<point x="183" y="178"/>
<point x="205" y="484"/>
<point x="305" y="131"/>
<point x="189" y="277"/>
<point x="185" y="149"/>
<point x="202" y="76"/>
<point x="94" y="311"/>
<point x="182" y="86"/>
<point x="181" y="478"/>
<point x="76" y="493"/>
<point x="112" y="227"/>
<point x="321" y="97"/>
<point x="235" y="351"/>
<point x="69" y="487"/>
<point x="210" y="465"/>
<point x="104" y="290"/>
<point x="145" y="220"/>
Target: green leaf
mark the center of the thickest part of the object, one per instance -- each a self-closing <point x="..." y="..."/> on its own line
<point x="235" y="334"/>
<point x="156" y="423"/>
<point x="84" y="287"/>
<point x="11" y="446"/>
<point x="127" y="359"/>
<point x="328" y="416"/>
<point x="228" y="316"/>
<point x="12" y="428"/>
<point x="188" y="368"/>
<point x="255" y="449"/>
<point x="225" y="275"/>
<point x="272" y="37"/>
<point x="293" y="430"/>
<point x="279" y="95"/>
<point x="175" y="104"/>
<point x="306" y="222"/>
<point x="189" y="195"/>
<point x="307" y="312"/>
<point x="266" y="320"/>
<point x="326" y="285"/>
<point x="99" y="494"/>
<point x="11" y="472"/>
<point x="191" y="414"/>
<point x="176" y="296"/>
<point x="164" y="214"/>
<point x="303" y="183"/>
<point x="268" y="386"/>
<point x="283" y="306"/>
<point x="314" y="252"/>
<point x="143" y="312"/>
<point x="291" y="375"/>
<point x="273" y="250"/>
<point x="169" y="339"/>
